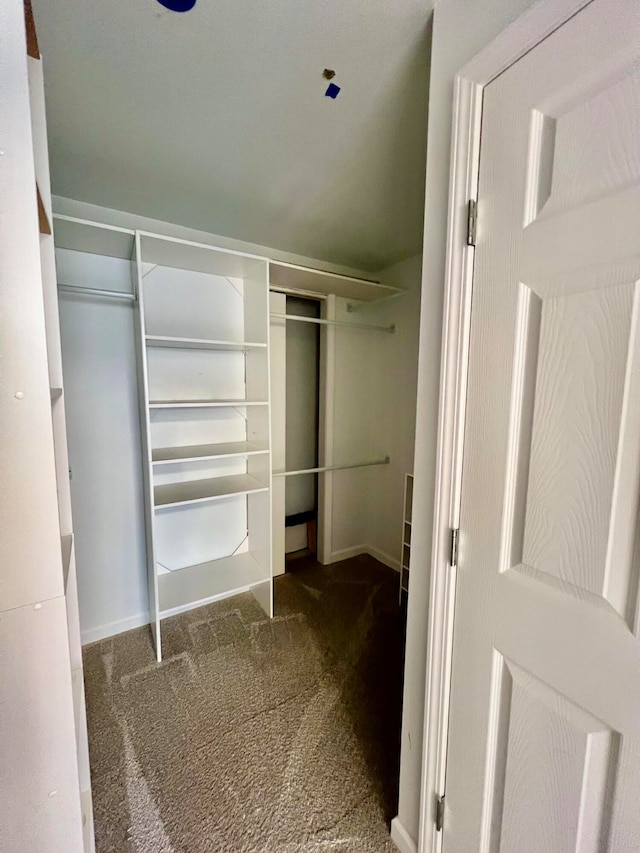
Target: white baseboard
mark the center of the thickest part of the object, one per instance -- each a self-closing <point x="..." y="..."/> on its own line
<point x="113" y="628"/>
<point x="347" y="553"/>
<point x="401" y="838"/>
<point x="382" y="557"/>
<point x="357" y="550"/>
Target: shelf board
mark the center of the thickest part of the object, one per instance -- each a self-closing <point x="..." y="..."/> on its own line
<point x="200" y="343"/>
<point x="197" y="404"/>
<point x="55" y="393"/>
<point x="211" y="489"/>
<point x="192" y="453"/>
<point x="294" y="277"/>
<point x="195" y="586"/>
<point x="66" y="541"/>
<point x="96" y="238"/>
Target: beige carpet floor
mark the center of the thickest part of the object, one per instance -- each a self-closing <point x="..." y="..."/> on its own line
<point x="254" y="735"/>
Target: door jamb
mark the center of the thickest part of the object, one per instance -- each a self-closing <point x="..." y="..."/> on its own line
<point x="525" y="33"/>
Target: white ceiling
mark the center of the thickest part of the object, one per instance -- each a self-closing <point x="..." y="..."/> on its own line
<point x="216" y="118"/>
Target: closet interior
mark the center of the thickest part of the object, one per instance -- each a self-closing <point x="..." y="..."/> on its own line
<point x="169" y="418"/>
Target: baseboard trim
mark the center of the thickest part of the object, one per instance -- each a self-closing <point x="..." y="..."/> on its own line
<point x="401" y="838"/>
<point x="113" y="628"/>
<point x="385" y="558"/>
<point x="357" y="550"/>
<point x="347" y="553"/>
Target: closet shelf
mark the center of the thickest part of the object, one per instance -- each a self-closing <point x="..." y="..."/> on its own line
<point x="191" y="453"/>
<point x="201" y="343"/>
<point x="195" y="586"/>
<point x="211" y="489"/>
<point x="196" y="404"/>
<point x="55" y="393"/>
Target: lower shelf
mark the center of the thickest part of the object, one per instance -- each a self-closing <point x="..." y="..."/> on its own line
<point x="195" y="586"/>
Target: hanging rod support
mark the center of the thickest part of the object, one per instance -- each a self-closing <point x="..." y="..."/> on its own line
<point x="325" y="468"/>
<point x="389" y="329"/>
<point x="92" y="291"/>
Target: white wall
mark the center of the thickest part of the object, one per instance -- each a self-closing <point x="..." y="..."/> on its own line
<point x="103" y="429"/>
<point x="374" y="416"/>
<point x="461" y="28"/>
<point x="394" y="367"/>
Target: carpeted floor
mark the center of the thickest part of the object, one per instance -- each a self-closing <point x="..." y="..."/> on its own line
<point x="254" y="735"/>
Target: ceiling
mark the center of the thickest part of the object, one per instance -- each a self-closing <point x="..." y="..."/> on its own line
<point x="217" y="118"/>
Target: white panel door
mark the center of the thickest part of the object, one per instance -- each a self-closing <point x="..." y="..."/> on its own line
<point x="544" y="738"/>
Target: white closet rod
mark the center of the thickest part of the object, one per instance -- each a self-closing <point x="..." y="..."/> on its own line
<point x="390" y="329"/>
<point x="92" y="291"/>
<point x="384" y="461"/>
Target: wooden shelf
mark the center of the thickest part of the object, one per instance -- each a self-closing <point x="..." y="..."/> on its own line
<point x="195" y="586"/>
<point x="197" y="404"/>
<point x="192" y="453"/>
<point x="211" y="489"/>
<point x="198" y="343"/>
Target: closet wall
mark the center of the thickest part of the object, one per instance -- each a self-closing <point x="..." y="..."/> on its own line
<point x="101" y="390"/>
<point x="99" y="357"/>
<point x="374" y="415"/>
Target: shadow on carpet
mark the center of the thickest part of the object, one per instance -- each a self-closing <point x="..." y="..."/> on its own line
<point x="262" y="735"/>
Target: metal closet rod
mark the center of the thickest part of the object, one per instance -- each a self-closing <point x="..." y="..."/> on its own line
<point x="93" y="291"/>
<point x="384" y="461"/>
<point x="389" y="329"/>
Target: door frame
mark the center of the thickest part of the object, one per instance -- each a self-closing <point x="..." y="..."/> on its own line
<point x="532" y="27"/>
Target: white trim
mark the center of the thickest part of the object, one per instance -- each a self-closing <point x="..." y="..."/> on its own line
<point x="530" y="29"/>
<point x="383" y="557"/>
<point x="401" y="838"/>
<point x="110" y="629"/>
<point x="346" y="554"/>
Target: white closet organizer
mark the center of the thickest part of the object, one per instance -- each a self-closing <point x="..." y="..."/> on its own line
<point x="203" y="329"/>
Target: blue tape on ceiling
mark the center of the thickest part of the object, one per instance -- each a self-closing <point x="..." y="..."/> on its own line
<point x="178" y="5"/>
<point x="332" y="91"/>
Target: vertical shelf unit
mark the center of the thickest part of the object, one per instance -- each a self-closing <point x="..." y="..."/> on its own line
<point x="203" y="342"/>
<point x="406" y="534"/>
<point x="59" y="425"/>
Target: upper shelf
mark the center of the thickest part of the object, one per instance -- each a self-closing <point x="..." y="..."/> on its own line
<point x="100" y="239"/>
<point x="199" y="343"/>
<point x="93" y="237"/>
<point x="292" y="277"/>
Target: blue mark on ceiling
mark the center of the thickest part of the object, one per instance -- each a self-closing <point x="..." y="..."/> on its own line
<point x="178" y="5"/>
<point x="332" y="91"/>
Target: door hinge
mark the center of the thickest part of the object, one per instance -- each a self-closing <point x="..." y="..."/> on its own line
<point x="439" y="813"/>
<point x="453" y="556"/>
<point x="472" y="219"/>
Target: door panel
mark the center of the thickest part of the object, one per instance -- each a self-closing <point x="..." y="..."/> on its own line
<point x="544" y="736"/>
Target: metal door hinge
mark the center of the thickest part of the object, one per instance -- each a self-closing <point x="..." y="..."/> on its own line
<point x="453" y="556"/>
<point x="472" y="219"/>
<point x="439" y="813"/>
